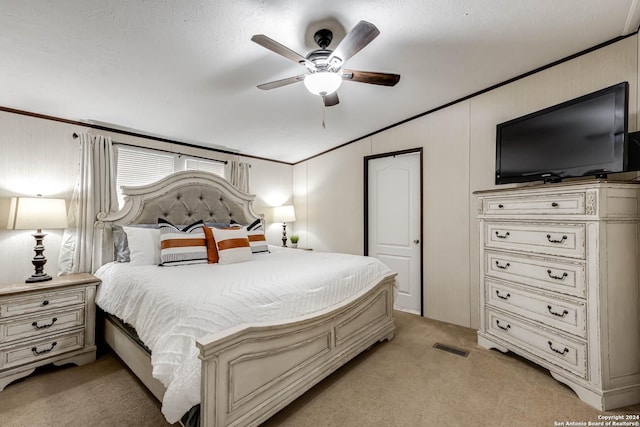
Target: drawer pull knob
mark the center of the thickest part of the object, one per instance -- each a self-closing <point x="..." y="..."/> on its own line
<point x="564" y="312"/>
<point x="46" y="325"/>
<point x="45" y="302"/>
<point x="554" y="240"/>
<point x="504" y="328"/>
<point x="503" y="267"/>
<point x="46" y="350"/>
<point x="500" y="206"/>
<point x="502" y="236"/>
<point x="501" y="297"/>
<point x="563" y="352"/>
<point x="554" y="204"/>
<point x="553" y="276"/>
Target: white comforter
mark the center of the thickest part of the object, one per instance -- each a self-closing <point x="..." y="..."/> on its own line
<point x="171" y="307"/>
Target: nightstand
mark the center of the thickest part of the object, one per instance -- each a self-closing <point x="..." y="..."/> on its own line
<point x="47" y="322"/>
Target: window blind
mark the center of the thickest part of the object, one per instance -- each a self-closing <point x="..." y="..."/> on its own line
<point x="205" y="165"/>
<point x="141" y="167"/>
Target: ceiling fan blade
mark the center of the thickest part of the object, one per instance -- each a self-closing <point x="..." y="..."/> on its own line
<point x="383" y="79"/>
<point x="280" y="49"/>
<point x="280" y="83"/>
<point x="360" y="36"/>
<point x="331" y="99"/>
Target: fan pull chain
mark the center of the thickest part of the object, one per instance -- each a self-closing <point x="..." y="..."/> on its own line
<point x="324" y="110"/>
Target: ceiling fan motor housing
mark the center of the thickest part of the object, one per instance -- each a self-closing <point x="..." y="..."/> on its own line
<point x="319" y="58"/>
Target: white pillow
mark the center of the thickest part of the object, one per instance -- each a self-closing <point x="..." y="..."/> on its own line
<point x="233" y="245"/>
<point x="144" y="245"/>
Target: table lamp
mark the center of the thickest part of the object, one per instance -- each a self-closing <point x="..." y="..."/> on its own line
<point x="284" y="214"/>
<point x="29" y="213"/>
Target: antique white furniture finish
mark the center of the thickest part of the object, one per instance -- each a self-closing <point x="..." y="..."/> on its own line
<point x="252" y="371"/>
<point x="47" y="322"/>
<point x="559" y="277"/>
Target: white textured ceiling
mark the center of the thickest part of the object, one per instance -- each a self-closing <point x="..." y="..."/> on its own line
<point x="187" y="70"/>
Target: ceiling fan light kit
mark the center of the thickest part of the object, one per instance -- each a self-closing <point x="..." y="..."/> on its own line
<point x="322" y="82"/>
<point x="324" y="67"/>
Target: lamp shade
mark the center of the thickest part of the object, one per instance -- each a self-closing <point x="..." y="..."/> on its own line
<point x="322" y="82"/>
<point x="284" y="213"/>
<point x="35" y="213"/>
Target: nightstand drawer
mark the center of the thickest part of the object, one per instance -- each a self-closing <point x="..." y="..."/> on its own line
<point x="545" y="204"/>
<point x="560" y="350"/>
<point x="25" y="353"/>
<point x="40" y="302"/>
<point x="11" y="330"/>
<point x="563" y="313"/>
<point x="552" y="239"/>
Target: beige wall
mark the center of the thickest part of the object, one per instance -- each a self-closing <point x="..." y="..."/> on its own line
<point x="41" y="157"/>
<point x="38" y="157"/>
<point x="328" y="190"/>
<point x="459" y="158"/>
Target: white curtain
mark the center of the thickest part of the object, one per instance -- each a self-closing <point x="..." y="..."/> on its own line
<point x="239" y="175"/>
<point x="95" y="192"/>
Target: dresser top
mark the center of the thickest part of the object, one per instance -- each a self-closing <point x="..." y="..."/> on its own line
<point x="563" y="186"/>
<point x="53" y="284"/>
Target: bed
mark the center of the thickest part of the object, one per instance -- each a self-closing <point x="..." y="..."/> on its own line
<point x="258" y="363"/>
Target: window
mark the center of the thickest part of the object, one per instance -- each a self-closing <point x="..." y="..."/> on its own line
<point x="204" y="165"/>
<point x="139" y="166"/>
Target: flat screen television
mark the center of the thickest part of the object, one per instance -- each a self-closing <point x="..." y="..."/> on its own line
<point x="586" y="136"/>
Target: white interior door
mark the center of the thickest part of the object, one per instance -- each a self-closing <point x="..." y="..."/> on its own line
<point x="394" y="223"/>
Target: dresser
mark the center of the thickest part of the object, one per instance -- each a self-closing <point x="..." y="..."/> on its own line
<point x="559" y="279"/>
<point x="46" y="322"/>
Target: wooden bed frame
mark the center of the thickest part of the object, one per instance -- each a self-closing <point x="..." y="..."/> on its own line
<point x="249" y="372"/>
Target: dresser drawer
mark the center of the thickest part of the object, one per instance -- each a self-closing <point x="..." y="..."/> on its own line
<point x="549" y="239"/>
<point x="25" y="353"/>
<point x="33" y="326"/>
<point x="553" y="275"/>
<point x="565" y="314"/>
<point x="39" y="302"/>
<point x="544" y="204"/>
<point x="565" y="352"/>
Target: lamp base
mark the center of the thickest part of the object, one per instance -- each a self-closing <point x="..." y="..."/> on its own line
<point x="38" y="278"/>
<point x="39" y="260"/>
<point x="284" y="235"/>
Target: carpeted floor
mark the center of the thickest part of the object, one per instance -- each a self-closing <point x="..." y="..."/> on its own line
<point x="405" y="382"/>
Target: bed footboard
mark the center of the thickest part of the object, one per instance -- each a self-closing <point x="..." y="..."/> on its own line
<point x="253" y="371"/>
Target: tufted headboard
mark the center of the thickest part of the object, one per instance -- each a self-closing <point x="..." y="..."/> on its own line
<point x="181" y="198"/>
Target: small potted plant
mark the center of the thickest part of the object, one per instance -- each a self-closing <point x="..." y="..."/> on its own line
<point x="294" y="240"/>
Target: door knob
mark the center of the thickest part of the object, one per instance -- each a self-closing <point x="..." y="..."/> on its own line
<point x="416" y="241"/>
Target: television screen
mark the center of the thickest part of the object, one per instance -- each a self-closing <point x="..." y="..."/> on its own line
<point x="582" y="137"/>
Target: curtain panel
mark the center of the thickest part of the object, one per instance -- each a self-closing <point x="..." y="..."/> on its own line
<point x="95" y="192"/>
<point x="239" y="175"/>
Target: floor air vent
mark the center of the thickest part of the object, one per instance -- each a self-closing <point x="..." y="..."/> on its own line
<point x="451" y="349"/>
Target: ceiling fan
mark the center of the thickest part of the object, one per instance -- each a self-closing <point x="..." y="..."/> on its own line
<point x="324" y="67"/>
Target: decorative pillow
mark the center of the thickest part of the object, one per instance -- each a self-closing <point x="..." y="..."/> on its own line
<point x="182" y="246"/>
<point x="144" y="245"/>
<point x="212" y="248"/>
<point x="233" y="244"/>
<point x="257" y="239"/>
<point x="255" y="225"/>
<point x="120" y="244"/>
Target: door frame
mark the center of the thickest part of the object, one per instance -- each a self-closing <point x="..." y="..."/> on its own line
<point x="366" y="209"/>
